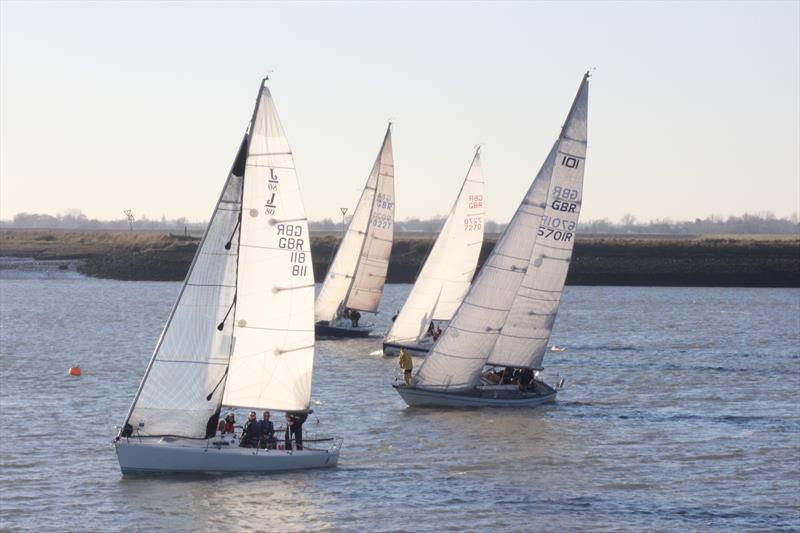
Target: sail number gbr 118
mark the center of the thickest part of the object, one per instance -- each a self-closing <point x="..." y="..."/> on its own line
<point x="290" y="237"/>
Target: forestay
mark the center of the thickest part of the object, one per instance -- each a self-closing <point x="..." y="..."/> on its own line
<point x="473" y="335"/>
<point x="273" y="353"/>
<point x="357" y="274"/>
<point x="525" y="335"/>
<point x="192" y="354"/>
<point x="450" y="266"/>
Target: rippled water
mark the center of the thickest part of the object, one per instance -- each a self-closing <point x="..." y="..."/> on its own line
<point x="680" y="413"/>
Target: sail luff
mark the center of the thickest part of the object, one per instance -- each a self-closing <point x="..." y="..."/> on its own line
<point x="447" y="272"/>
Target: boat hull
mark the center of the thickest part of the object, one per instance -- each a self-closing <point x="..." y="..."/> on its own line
<point x="393" y="349"/>
<point x="322" y="330"/>
<point x="150" y="456"/>
<point x="479" y="397"/>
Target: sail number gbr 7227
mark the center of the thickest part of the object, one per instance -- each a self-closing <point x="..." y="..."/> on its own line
<point x="290" y="238"/>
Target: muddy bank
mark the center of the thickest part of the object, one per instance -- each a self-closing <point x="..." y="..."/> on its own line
<point x="725" y="261"/>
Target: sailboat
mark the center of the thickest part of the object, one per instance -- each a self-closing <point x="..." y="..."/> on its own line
<point x="445" y="277"/>
<point x="355" y="279"/>
<point x="240" y="334"/>
<point x="491" y="354"/>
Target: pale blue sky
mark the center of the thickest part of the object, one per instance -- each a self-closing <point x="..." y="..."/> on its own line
<point x="694" y="108"/>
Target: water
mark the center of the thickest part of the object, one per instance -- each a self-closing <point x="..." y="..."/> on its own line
<point x="680" y="413"/>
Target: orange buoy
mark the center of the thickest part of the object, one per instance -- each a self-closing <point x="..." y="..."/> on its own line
<point x="75" y="370"/>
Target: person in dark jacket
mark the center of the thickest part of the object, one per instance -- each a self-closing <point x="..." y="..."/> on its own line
<point x="251" y="432"/>
<point x="267" y="432"/>
<point x="526" y="379"/>
<point x="294" y="430"/>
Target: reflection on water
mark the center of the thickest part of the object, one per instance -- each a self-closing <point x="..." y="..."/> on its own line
<point x="678" y="413"/>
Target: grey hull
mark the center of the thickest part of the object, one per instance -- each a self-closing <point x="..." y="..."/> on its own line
<point x="478" y="397"/>
<point x="391" y="349"/>
<point x="149" y="456"/>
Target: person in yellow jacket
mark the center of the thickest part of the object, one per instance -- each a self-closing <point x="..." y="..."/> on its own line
<point x="406" y="364"/>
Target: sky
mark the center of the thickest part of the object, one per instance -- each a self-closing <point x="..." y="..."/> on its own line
<point x="694" y="107"/>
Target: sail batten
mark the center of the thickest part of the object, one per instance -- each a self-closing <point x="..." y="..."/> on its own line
<point x="443" y="281"/>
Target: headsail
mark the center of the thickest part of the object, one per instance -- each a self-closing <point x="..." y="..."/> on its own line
<point x="471" y="338"/>
<point x="447" y="273"/>
<point x="191" y="356"/>
<point x="358" y="271"/>
<point x="273" y="353"/>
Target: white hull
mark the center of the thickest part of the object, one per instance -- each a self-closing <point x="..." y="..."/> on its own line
<point x="154" y="455"/>
<point x="488" y="396"/>
<point x="393" y="349"/>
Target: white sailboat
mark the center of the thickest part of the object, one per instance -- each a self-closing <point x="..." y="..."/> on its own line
<point x="447" y="273"/>
<point x="355" y="279"/>
<point x="492" y="351"/>
<point x="241" y="332"/>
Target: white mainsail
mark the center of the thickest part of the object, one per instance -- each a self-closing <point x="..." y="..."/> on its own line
<point x="273" y="353"/>
<point x="241" y="331"/>
<point x="448" y="270"/>
<point x="505" y="286"/>
<point x="527" y="329"/>
<point x="357" y="274"/>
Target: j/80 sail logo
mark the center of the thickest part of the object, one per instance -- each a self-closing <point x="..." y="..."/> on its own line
<point x="272" y="190"/>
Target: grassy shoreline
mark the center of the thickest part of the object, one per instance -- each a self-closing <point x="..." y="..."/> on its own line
<point x="637" y="260"/>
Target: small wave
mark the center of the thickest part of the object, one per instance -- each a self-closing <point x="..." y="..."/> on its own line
<point x="716" y="456"/>
<point x="628" y="486"/>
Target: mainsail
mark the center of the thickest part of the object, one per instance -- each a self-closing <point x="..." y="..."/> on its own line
<point x="448" y="270"/>
<point x="527" y="329"/>
<point x="507" y="316"/>
<point x="241" y="328"/>
<point x="357" y="274"/>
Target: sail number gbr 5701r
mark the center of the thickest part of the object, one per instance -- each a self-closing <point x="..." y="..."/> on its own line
<point x="290" y="237"/>
<point x="553" y="227"/>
